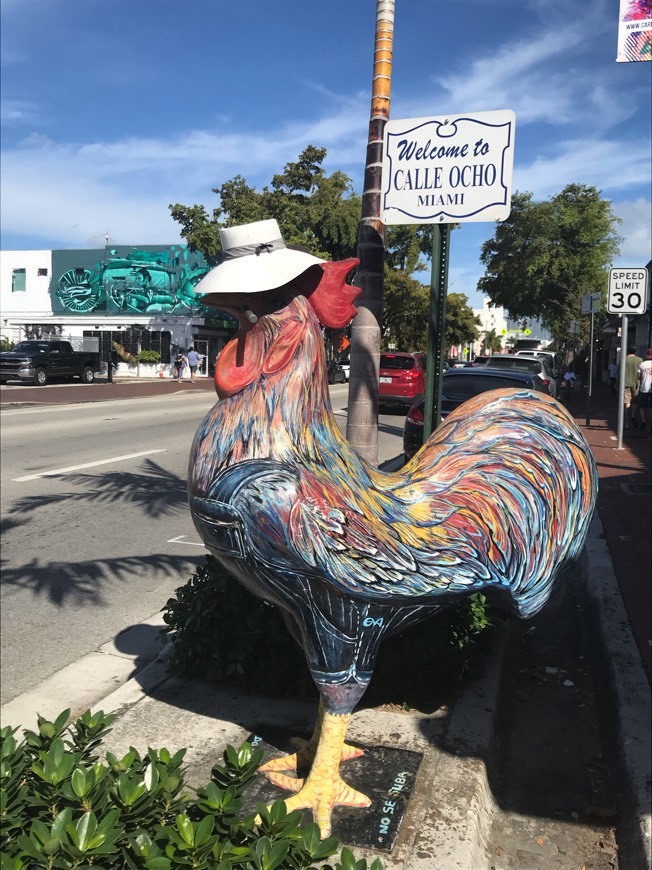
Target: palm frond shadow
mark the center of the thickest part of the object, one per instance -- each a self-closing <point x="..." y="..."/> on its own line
<point x="81" y="582"/>
<point x="156" y="491"/>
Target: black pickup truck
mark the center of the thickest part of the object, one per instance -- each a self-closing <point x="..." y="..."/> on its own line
<point x="37" y="362"/>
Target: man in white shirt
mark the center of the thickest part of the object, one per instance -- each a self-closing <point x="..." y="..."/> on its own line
<point x="645" y="391"/>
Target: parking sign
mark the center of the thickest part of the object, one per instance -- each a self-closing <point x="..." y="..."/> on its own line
<point x="627" y="291"/>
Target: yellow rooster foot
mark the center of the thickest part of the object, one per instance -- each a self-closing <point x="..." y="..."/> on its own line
<point x="321" y="796"/>
<point x="303" y="757"/>
<point x="323" y="789"/>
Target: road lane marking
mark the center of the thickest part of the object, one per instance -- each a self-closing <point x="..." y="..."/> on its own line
<point x="179" y="540"/>
<point x="85" y="465"/>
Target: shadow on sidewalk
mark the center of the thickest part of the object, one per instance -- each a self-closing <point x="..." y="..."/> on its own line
<point x="624" y="507"/>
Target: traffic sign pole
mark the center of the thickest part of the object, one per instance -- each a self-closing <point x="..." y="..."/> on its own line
<point x="621" y="380"/>
<point x="590" y="390"/>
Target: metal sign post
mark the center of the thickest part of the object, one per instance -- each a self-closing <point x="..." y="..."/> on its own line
<point x="589" y="393"/>
<point x="621" y="381"/>
<point x="436" y="328"/>
<point x="590" y="304"/>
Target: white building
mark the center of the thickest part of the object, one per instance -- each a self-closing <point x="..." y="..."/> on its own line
<point x="140" y="298"/>
<point x="491" y="318"/>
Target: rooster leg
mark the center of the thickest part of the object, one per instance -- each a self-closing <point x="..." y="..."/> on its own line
<point x="303" y="757"/>
<point x="324" y="788"/>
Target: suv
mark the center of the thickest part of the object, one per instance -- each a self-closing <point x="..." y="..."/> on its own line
<point x="402" y="377"/>
<point x="458" y="385"/>
<point x="537" y="365"/>
<point x="543" y="354"/>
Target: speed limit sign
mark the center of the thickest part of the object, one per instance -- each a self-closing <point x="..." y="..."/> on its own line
<point x="627" y="291"/>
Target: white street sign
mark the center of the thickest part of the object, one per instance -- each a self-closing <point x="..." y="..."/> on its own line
<point x="627" y="291"/>
<point x="450" y="169"/>
<point x="591" y="302"/>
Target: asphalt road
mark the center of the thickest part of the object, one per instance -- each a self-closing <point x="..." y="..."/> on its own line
<point x="96" y="534"/>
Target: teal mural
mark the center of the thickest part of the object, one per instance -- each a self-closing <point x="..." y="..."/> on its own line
<point x="143" y="280"/>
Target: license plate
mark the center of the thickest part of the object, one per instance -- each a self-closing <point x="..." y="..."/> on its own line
<point x="385" y="380"/>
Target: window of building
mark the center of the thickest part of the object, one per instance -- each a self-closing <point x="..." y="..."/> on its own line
<point x="18" y="279"/>
<point x="42" y="273"/>
<point x="133" y="339"/>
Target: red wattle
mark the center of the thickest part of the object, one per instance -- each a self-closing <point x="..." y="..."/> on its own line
<point x="240" y="363"/>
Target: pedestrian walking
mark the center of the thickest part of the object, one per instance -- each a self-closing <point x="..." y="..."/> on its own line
<point x="645" y="392"/>
<point x="194" y="359"/>
<point x="613" y="376"/>
<point x="180" y="361"/>
<point x="568" y="383"/>
<point x="632" y="363"/>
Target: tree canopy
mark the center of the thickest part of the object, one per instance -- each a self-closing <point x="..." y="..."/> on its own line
<point x="546" y="255"/>
<point x="318" y="211"/>
<point x="322" y="213"/>
<point x="461" y="323"/>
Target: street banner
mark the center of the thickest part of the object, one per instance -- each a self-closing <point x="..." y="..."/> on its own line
<point x="635" y="30"/>
<point x="448" y="169"/>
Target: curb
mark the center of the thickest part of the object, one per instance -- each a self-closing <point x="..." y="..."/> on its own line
<point x="625" y="702"/>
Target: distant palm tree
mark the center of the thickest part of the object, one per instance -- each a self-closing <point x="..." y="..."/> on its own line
<point x="492" y="342"/>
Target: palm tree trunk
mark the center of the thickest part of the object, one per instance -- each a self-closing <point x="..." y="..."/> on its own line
<point x="362" y="422"/>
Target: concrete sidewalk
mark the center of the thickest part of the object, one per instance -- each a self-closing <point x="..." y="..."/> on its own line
<point x="448" y="820"/>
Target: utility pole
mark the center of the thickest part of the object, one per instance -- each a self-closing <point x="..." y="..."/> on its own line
<point x="362" y="421"/>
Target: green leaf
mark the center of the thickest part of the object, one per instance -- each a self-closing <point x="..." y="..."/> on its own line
<point x="83" y="830"/>
<point x="277" y="854"/>
<point x="185" y="828"/>
<point x="204" y="830"/>
<point x="80" y="781"/>
<point x="151" y="777"/>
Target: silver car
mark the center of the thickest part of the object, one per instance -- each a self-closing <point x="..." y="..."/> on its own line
<point x="519" y="362"/>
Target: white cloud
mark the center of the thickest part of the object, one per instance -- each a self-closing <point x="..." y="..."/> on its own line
<point x="636" y="231"/>
<point x="71" y="192"/>
<point x="607" y="165"/>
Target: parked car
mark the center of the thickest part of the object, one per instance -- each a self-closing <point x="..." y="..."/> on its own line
<point x="537" y="365"/>
<point x="553" y="359"/>
<point x="456" y="363"/>
<point x="345" y="363"/>
<point x="458" y="385"/>
<point x="336" y="373"/>
<point x="37" y="362"/>
<point x="401" y="378"/>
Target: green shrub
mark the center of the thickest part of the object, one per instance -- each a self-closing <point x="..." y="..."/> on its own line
<point x="149" y="356"/>
<point x="220" y="632"/>
<point x="6" y="344"/>
<point x="63" y="807"/>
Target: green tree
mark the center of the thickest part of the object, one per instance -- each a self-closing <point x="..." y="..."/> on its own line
<point x="492" y="342"/>
<point x="405" y="315"/>
<point x="547" y="255"/>
<point x="322" y="213"/>
<point x="461" y="323"/>
<point x="318" y="211"/>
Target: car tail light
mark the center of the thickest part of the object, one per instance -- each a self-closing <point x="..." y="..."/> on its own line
<point x="415" y="416"/>
<point x="546" y="382"/>
<point x="411" y="375"/>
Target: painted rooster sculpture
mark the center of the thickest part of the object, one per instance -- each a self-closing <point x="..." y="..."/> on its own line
<point x="498" y="500"/>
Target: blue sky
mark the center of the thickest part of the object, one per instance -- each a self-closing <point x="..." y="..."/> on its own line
<point x="113" y="109"/>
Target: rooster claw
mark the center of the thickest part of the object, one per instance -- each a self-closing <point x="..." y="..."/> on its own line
<point x="304" y="755"/>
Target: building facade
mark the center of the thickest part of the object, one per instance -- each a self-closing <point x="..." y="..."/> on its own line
<point x="133" y="298"/>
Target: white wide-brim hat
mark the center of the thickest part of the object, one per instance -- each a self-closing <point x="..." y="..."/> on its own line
<point x="254" y="259"/>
